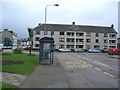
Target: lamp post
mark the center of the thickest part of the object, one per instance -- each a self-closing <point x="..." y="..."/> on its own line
<point x="45" y="31"/>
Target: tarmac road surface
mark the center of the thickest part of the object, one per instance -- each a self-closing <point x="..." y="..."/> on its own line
<point x="89" y="70"/>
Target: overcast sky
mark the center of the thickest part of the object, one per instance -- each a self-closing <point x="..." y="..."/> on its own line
<point x="18" y="15"/>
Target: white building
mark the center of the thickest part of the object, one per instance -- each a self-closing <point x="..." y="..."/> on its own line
<point x="77" y="36"/>
<point x="8" y="38"/>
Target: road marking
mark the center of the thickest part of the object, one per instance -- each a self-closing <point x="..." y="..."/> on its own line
<point x="90" y="65"/>
<point x="66" y="62"/>
<point x="79" y="66"/>
<point x="97" y="69"/>
<point x="108" y="74"/>
<point x="75" y="66"/>
<point x="84" y="62"/>
<point x="101" y="63"/>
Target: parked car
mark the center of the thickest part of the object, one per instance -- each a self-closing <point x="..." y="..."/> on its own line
<point x="104" y="50"/>
<point x="79" y="50"/>
<point x="94" y="50"/>
<point x="113" y="51"/>
<point x="64" y="50"/>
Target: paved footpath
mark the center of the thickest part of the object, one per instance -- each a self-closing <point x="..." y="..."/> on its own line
<point x="46" y="76"/>
<point x="11" y="78"/>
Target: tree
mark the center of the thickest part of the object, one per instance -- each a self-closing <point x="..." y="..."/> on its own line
<point x="30" y="31"/>
<point x="7" y="42"/>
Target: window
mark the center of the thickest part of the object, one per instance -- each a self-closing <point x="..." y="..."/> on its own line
<point x="112" y="35"/>
<point x="105" y="35"/>
<point x="105" y="41"/>
<point x="61" y="39"/>
<point x="88" y="40"/>
<point x="52" y="32"/>
<point x="97" y="34"/>
<point x="105" y="46"/>
<point x="79" y="40"/>
<point x="70" y="46"/>
<point x="97" y="41"/>
<point x="70" y="33"/>
<point x="112" y="41"/>
<point x="79" y="46"/>
<point x="37" y="32"/>
<point x="61" y="33"/>
<point x="79" y="34"/>
<point x="88" y="34"/>
<point x="70" y="39"/>
<point x="112" y="46"/>
<point x="36" y="45"/>
<point x="96" y="46"/>
<point x="37" y="38"/>
<point x="87" y="47"/>
<point x="61" y="46"/>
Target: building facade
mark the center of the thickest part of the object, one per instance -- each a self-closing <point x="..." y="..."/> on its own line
<point x="77" y="36"/>
<point x="8" y="38"/>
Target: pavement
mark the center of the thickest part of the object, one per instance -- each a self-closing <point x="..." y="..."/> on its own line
<point x="46" y="76"/>
<point x="11" y="78"/>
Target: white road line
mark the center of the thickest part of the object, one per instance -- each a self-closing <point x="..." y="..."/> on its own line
<point x="66" y="62"/>
<point x="84" y="62"/>
<point x="108" y="74"/>
<point x="97" y="69"/>
<point x="79" y="66"/>
<point x="75" y="66"/>
<point x="101" y="63"/>
<point x="90" y="65"/>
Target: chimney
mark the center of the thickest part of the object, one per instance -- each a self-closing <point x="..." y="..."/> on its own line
<point x="73" y="23"/>
<point x="112" y="26"/>
<point x="39" y="24"/>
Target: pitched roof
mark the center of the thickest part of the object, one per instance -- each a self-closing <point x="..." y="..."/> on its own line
<point x="84" y="28"/>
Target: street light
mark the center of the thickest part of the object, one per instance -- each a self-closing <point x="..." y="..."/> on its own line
<point x="45" y="31"/>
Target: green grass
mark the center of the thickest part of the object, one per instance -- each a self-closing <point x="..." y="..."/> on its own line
<point x="30" y="62"/>
<point x="5" y="86"/>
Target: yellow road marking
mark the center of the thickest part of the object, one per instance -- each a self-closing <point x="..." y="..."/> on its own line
<point x="108" y="74"/>
<point x="97" y="69"/>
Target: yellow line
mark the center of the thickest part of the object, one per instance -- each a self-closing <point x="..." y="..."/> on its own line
<point x="108" y="74"/>
<point x="97" y="69"/>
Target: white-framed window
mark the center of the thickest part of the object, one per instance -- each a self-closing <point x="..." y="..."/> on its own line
<point x="61" y="40"/>
<point x="88" y="40"/>
<point x="37" y="32"/>
<point x="88" y="34"/>
<point x="61" y="46"/>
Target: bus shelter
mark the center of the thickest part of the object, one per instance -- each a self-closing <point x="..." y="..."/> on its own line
<point x="46" y="50"/>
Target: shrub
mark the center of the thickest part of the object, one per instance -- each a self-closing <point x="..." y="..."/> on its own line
<point x="18" y="51"/>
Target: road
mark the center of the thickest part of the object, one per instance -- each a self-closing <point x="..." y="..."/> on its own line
<point x="89" y="70"/>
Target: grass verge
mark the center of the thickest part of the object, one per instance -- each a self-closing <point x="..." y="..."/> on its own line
<point x="5" y="86"/>
<point x="30" y="62"/>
